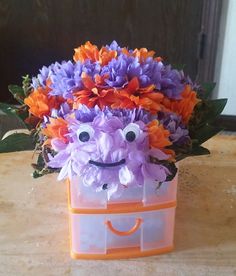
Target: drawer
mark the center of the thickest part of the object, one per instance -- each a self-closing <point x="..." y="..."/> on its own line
<point x="135" y="234"/>
<point x="151" y="193"/>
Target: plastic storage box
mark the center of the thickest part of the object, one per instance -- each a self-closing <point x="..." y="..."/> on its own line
<point x="138" y="223"/>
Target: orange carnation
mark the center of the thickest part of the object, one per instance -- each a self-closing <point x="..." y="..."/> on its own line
<point x="158" y="135"/>
<point x="40" y="103"/>
<point x="133" y="96"/>
<point x="90" y="51"/>
<point x="86" y="51"/>
<point x="57" y="128"/>
<point x="93" y="94"/>
<point x="185" y="106"/>
<point x="106" y="55"/>
<point x="143" y="53"/>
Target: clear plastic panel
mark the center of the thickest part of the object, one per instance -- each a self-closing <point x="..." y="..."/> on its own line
<point x="156" y="193"/>
<point x="150" y="194"/>
<point x="157" y="230"/>
<point x="88" y="234"/>
<point x="86" y="197"/>
<point x="130" y="195"/>
<point x="91" y="234"/>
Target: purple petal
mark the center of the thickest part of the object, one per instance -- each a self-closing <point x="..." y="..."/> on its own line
<point x="125" y="175"/>
<point x="58" y="144"/>
<point x="105" y="144"/>
<point x="160" y="155"/>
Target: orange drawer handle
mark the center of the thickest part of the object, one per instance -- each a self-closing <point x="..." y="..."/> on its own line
<point x="138" y="222"/>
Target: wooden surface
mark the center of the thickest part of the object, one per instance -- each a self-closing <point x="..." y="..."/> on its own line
<point x="34" y="224"/>
<point x="38" y="32"/>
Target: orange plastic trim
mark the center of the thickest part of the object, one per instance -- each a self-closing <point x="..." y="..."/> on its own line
<point x="122" y="253"/>
<point x="138" y="222"/>
<point x="119" y="207"/>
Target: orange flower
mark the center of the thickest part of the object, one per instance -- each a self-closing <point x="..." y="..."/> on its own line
<point x="185" y="106"/>
<point x="90" y="51"/>
<point x="125" y="51"/>
<point x="106" y="55"/>
<point x="57" y="128"/>
<point x="93" y="94"/>
<point x="40" y="102"/>
<point x="86" y="51"/>
<point x="158" y="135"/>
<point x="143" y="53"/>
<point x="133" y="96"/>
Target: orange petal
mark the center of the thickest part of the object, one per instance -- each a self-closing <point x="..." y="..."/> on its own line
<point x="133" y="85"/>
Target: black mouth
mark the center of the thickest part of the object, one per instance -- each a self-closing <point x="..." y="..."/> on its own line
<point x="107" y="165"/>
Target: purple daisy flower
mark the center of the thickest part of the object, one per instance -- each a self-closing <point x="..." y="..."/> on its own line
<point x="124" y="68"/>
<point x="114" y="47"/>
<point x="171" y="82"/>
<point x="43" y="75"/>
<point x="65" y="77"/>
<point x="63" y="111"/>
<point x="179" y="134"/>
<point x="117" y="69"/>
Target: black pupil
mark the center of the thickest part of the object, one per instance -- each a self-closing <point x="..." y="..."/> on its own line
<point x="84" y="136"/>
<point x="105" y="186"/>
<point x="130" y="136"/>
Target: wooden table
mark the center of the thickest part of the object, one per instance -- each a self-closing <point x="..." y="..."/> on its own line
<point x="34" y="224"/>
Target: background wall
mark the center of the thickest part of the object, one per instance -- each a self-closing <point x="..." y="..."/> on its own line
<point x="34" y="33"/>
<point x="225" y="70"/>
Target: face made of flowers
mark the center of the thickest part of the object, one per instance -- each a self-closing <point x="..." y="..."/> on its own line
<point x="108" y="153"/>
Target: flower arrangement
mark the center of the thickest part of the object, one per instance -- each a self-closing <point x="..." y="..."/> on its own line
<point x="114" y="116"/>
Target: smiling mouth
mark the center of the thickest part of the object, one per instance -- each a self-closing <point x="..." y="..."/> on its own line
<point x="107" y="165"/>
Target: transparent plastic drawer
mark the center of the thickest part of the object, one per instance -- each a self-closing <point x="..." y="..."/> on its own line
<point x="151" y="193"/>
<point x="100" y="233"/>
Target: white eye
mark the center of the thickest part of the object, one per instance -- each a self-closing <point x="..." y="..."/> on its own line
<point x="131" y="132"/>
<point x="85" y="133"/>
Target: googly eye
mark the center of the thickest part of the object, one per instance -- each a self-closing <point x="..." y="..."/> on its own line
<point x="85" y="133"/>
<point x="131" y="132"/>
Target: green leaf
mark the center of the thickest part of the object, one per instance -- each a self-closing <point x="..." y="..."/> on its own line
<point x="41" y="167"/>
<point x="40" y="163"/>
<point x="26" y="85"/>
<point x="17" y="142"/>
<point x="173" y="170"/>
<point x="16" y="89"/>
<point x="205" y="113"/>
<point x="196" y="150"/>
<point x="8" y="109"/>
<point x="199" y="150"/>
<point x="12" y="110"/>
<point x="210" y="109"/>
<point x="206" y="132"/>
<point x="215" y="108"/>
<point x="207" y="88"/>
<point x="17" y="92"/>
<point x="37" y="173"/>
